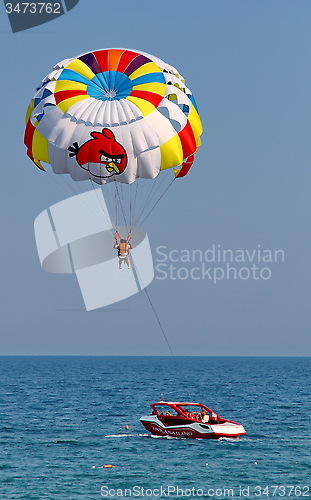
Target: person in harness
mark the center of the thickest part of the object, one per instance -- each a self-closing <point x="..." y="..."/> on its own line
<point x="123" y="247"/>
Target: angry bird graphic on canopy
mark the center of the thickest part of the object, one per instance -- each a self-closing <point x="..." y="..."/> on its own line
<point x="103" y="152"/>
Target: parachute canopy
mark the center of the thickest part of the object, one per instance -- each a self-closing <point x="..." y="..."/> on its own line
<point x="113" y="115"/>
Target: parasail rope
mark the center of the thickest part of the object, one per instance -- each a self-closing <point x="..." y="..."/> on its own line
<point x="122" y="208"/>
<point x="112" y="212"/>
<point x="73" y="190"/>
<point x="131" y="209"/>
<point x="154" y="311"/>
<point x="148" y="189"/>
<point x="116" y="207"/>
<point x="122" y="202"/>
<point x="135" y="198"/>
<point x="155" y="191"/>
<point x="100" y="203"/>
<point x="159" y="322"/>
<point x="157" y="201"/>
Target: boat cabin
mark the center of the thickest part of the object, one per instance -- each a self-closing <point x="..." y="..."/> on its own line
<point x="175" y="413"/>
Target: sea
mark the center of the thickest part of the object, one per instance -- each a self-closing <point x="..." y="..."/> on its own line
<point x="63" y="418"/>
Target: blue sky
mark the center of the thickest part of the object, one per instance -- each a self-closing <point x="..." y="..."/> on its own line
<point x="248" y="65"/>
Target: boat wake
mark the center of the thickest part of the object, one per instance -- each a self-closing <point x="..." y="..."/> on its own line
<point x="65" y="441"/>
<point x="125" y="435"/>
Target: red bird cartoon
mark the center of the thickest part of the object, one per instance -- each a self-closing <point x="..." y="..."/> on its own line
<point x="103" y="152"/>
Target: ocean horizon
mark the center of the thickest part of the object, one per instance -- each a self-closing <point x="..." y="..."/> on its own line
<point x="64" y="417"/>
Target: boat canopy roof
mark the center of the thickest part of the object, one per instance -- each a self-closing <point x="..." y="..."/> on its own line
<point x="181" y="406"/>
<point x="176" y="403"/>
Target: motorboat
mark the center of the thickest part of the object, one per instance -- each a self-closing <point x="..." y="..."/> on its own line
<point x="189" y="420"/>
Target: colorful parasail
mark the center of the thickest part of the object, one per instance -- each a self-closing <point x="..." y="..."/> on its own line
<point x="113" y="115"/>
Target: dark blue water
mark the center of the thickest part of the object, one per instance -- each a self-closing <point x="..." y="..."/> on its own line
<point x="62" y="418"/>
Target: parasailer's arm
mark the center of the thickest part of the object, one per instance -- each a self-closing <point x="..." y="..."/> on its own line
<point x="117" y="238"/>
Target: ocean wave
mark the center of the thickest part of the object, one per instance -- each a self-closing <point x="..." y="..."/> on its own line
<point x="65" y="441"/>
<point x="125" y="435"/>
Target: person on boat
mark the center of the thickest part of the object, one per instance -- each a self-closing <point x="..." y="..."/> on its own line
<point x="123" y="246"/>
<point x="204" y="416"/>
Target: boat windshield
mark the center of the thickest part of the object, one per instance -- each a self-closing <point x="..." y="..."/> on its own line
<point x="166" y="410"/>
<point x="192" y="410"/>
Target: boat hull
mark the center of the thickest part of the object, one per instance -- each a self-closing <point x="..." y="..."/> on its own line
<point x="194" y="430"/>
